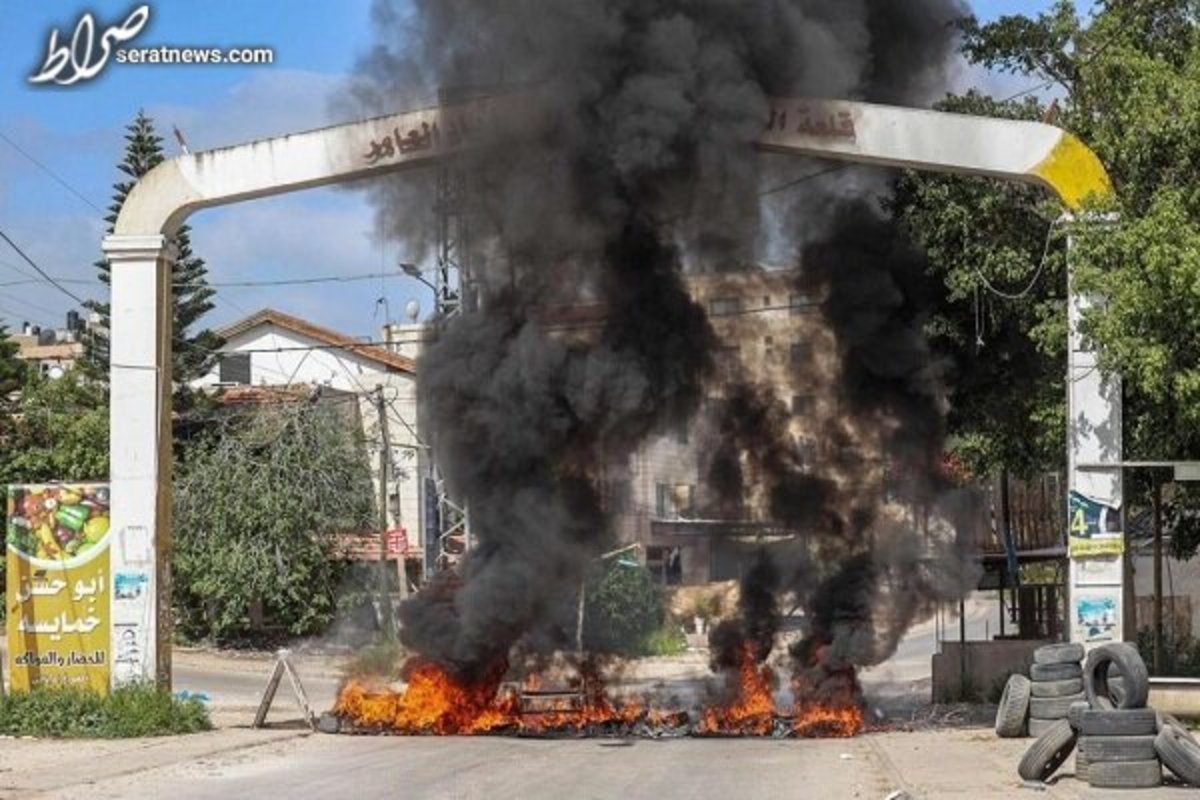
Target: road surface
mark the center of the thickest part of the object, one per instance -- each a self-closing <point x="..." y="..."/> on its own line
<point x="929" y="765"/>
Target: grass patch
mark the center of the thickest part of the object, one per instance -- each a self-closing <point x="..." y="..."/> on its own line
<point x="666" y="641"/>
<point x="138" y="710"/>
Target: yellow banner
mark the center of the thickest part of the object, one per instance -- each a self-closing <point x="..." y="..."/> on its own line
<point x="1085" y="548"/>
<point x="57" y="594"/>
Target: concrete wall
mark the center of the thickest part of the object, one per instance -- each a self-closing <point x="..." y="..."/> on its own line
<point x="987" y="663"/>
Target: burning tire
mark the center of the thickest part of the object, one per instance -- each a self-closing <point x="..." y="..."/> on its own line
<point x="1108" y="749"/>
<point x="1118" y="722"/>
<point x="1013" y="712"/>
<point x="1180" y="753"/>
<point x="1055" y="672"/>
<point x="1052" y="707"/>
<point x="1072" y="687"/>
<point x="1048" y="753"/>
<point x="1125" y="774"/>
<point x="1071" y="653"/>
<point x="1125" y="659"/>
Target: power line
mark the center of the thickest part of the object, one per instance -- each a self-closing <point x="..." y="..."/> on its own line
<point x="1032" y="281"/>
<point x="59" y="180"/>
<point x="40" y="271"/>
<point x="803" y="179"/>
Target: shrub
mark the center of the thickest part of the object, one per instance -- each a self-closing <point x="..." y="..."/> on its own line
<point x="138" y="710"/>
<point x="666" y="641"/>
<point x="624" y="607"/>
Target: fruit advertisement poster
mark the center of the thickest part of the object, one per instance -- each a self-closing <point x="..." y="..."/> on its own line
<point x="57" y="585"/>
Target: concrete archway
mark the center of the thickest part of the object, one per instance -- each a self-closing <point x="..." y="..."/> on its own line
<point x="140" y="338"/>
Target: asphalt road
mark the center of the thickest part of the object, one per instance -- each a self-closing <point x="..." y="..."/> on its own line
<point x="929" y="765"/>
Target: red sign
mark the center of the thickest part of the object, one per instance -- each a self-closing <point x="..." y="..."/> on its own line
<point x="397" y="542"/>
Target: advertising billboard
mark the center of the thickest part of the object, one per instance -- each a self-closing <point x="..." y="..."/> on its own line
<point x="57" y="585"/>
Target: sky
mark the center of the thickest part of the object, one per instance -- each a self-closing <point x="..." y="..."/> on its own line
<point x="53" y="211"/>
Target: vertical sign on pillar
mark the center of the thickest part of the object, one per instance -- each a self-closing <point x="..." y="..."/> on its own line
<point x="1096" y="542"/>
<point x="140" y="457"/>
<point x="58" y="595"/>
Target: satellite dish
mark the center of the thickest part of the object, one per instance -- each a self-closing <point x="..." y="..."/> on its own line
<point x="55" y="372"/>
<point x="412" y="310"/>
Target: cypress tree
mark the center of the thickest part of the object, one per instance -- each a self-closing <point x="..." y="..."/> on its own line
<point x="194" y="353"/>
<point x="12" y="369"/>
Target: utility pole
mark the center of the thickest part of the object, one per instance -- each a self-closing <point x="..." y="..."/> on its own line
<point x="1160" y="650"/>
<point x="385" y="596"/>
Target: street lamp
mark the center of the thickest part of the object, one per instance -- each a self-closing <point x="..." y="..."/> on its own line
<point x="413" y="271"/>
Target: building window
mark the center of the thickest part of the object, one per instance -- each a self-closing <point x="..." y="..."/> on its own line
<point x="673" y="501"/>
<point x="801" y="353"/>
<point x="234" y="368"/>
<point x="666" y="564"/>
<point x="723" y="306"/>
<point x="803" y="405"/>
<point x="766" y="301"/>
<point x="799" y="303"/>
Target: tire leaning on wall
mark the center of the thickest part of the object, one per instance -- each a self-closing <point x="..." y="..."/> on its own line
<point x="1180" y="753"/>
<point x="1012" y="715"/>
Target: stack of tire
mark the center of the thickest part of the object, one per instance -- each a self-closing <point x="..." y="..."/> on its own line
<point x="1122" y="744"/>
<point x="1117" y="731"/>
<point x="1056" y="683"/>
<point x="1031" y="706"/>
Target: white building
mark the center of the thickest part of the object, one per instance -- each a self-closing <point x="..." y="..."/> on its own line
<point x="271" y="348"/>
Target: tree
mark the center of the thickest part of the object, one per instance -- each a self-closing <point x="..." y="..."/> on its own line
<point x="259" y="502"/>
<point x="12" y="369"/>
<point x="59" y="434"/>
<point x="1131" y="92"/>
<point x="194" y="353"/>
<point x="623" y="607"/>
<point x="1001" y="318"/>
<point x="57" y="430"/>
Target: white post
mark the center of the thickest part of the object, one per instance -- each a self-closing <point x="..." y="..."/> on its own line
<point x="1095" y="538"/>
<point x="140" y="457"/>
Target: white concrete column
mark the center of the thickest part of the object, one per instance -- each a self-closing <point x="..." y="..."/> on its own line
<point x="140" y="457"/>
<point x="1096" y="541"/>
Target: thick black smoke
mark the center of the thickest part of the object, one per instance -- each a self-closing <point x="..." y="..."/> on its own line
<point x="640" y="161"/>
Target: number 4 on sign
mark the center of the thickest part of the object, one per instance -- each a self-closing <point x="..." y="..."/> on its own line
<point x="1079" y="526"/>
<point x="283" y="664"/>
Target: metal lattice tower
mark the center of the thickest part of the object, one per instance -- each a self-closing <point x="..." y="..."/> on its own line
<point x="455" y="295"/>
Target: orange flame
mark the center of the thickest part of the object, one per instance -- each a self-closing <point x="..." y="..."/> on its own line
<point x="752" y="712"/>
<point x="436" y="702"/>
<point x="439" y="703"/>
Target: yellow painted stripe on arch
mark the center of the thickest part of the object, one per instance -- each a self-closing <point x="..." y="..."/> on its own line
<point x="1074" y="172"/>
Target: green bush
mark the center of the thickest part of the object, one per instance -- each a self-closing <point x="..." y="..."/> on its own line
<point x="624" y="607"/>
<point x="139" y="710"/>
<point x="259" y="503"/>
<point x="666" y="641"/>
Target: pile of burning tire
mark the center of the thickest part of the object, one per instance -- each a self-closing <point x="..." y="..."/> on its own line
<point x="1121" y="743"/>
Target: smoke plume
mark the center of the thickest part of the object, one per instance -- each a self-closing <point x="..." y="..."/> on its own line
<point x="640" y="167"/>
